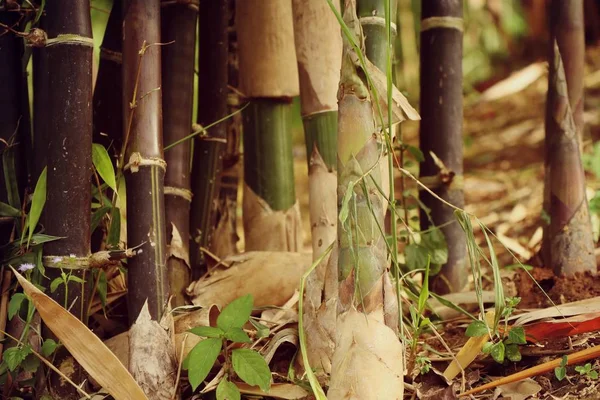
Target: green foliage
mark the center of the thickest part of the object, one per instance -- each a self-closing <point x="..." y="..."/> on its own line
<point x="476" y="329"/>
<point x="432" y="249"/>
<point x="38" y="201"/>
<point x="587" y="370"/>
<point x="248" y="364"/>
<point x="561" y="371"/>
<point x="15" y="304"/>
<point x="104" y="166"/>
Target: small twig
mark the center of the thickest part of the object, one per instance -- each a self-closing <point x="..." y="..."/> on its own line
<point x="174" y="396"/>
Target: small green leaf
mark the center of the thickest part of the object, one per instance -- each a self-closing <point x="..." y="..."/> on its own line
<point x="55" y="284"/>
<point x="31" y="363"/>
<point x="201" y="359"/>
<point x="580" y="369"/>
<point x="516" y="336"/>
<point x="424" y="294"/>
<point x="560" y="373"/>
<point x="416" y="153"/>
<point x="476" y="329"/>
<point x="14" y="356"/>
<point x="15" y="304"/>
<point x="227" y="391"/>
<point x="497" y="352"/>
<point x="487" y="347"/>
<point x="262" y="331"/>
<point x="114" y="231"/>
<point x="236" y="313"/>
<point x="40" y="238"/>
<point x="97" y="217"/>
<point x="416" y="256"/>
<point x="237" y="335"/>
<point x="513" y="353"/>
<point x="252" y="368"/>
<point x="48" y="347"/>
<point x="38" y="201"/>
<point x="7" y="210"/>
<point x="103" y="165"/>
<point x="207" y="331"/>
<point x="73" y="278"/>
<point x="344" y="210"/>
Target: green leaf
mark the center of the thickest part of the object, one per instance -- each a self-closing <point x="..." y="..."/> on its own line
<point x="344" y="210"/>
<point x="227" y="391"/>
<point x="7" y="210"/>
<point x="497" y="352"/>
<point x="262" y="331"/>
<point x="37" y="203"/>
<point x="48" y="347"/>
<point x="102" y="287"/>
<point x="40" y="238"/>
<point x="416" y="256"/>
<point x="416" y="153"/>
<point x="207" y="331"/>
<point x="31" y="363"/>
<point x="424" y="294"/>
<point x="14" y="356"/>
<point x="581" y="369"/>
<point x="237" y="335"/>
<point x="560" y="373"/>
<point x="513" y="353"/>
<point x="487" y="347"/>
<point x="56" y="283"/>
<point x="73" y="278"/>
<point x="15" y="304"/>
<point x="236" y="313"/>
<point x="593" y="374"/>
<point x="252" y="368"/>
<point x="516" y="336"/>
<point x="476" y="329"/>
<point x="103" y="165"/>
<point x="97" y="217"/>
<point x="114" y="231"/>
<point x="435" y="242"/>
<point x="201" y="359"/>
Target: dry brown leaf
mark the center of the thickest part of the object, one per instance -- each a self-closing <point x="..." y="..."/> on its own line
<point x="518" y="390"/>
<point x="152" y="360"/>
<point x="271" y="277"/>
<point x="516" y="82"/>
<point x="367" y="363"/>
<point x="89" y="351"/>
<point x="286" y="391"/>
<point x="177" y="247"/>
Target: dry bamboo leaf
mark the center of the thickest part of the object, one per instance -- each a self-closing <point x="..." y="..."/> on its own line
<point x="468" y="352"/>
<point x="367" y="363"/>
<point x="288" y="335"/>
<point x="587" y="306"/>
<point x="521" y="390"/>
<point x="265" y="229"/>
<point x="152" y="360"/>
<point x="89" y="351"/>
<point x="286" y="391"/>
<point x="177" y="248"/>
<point x="271" y="277"/>
<point x="286" y="314"/>
<point x="515" y="83"/>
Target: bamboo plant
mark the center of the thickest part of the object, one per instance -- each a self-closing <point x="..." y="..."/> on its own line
<point x="367" y="302"/>
<point x="318" y="41"/>
<point x="68" y="49"/>
<point x="269" y="80"/>
<point x="40" y="106"/>
<point x="568" y="245"/>
<point x="212" y="106"/>
<point x="441" y="133"/>
<point x="178" y="26"/>
<point x="143" y="164"/>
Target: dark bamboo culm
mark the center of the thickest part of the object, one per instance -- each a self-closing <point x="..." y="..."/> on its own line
<point x="14" y="119"/>
<point x="108" y="113"/>
<point x="212" y="106"/>
<point x="144" y="165"/>
<point x="69" y="134"/>
<point x="568" y="245"/>
<point x="441" y="131"/>
<point x="179" y="27"/>
<point x="40" y="108"/>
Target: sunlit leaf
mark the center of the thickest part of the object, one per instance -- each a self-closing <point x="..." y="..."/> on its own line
<point x="201" y="359"/>
<point x="227" y="391"/>
<point x="207" y="331"/>
<point x="103" y="165"/>
<point x="236" y="313"/>
<point x="37" y="203"/>
<point x="252" y="368"/>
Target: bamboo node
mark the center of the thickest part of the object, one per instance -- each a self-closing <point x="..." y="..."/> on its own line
<point x="111" y="55"/>
<point x="177" y="191"/>
<point x="443" y="22"/>
<point x="379" y="21"/>
<point x="136" y="160"/>
<point x="69" y="38"/>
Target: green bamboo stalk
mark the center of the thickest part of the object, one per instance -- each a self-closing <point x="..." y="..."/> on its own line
<point x="69" y="134"/>
<point x="441" y="131"/>
<point x="568" y="244"/>
<point x="108" y="113"/>
<point x="143" y="163"/>
<point x="212" y="106"/>
<point x="178" y="26"/>
<point x="268" y="77"/>
<point x="371" y="14"/>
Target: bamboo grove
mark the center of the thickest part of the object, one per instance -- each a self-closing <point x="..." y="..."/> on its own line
<point x="122" y="167"/>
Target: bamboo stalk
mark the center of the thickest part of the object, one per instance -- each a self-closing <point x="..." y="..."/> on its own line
<point x="144" y="164"/>
<point x="441" y="131"/>
<point x="178" y="26"/>
<point x="568" y="245"/>
<point x="319" y="51"/>
<point x="269" y="78"/>
<point x="69" y="133"/>
<point x="40" y="108"/>
<point x="212" y="106"/>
